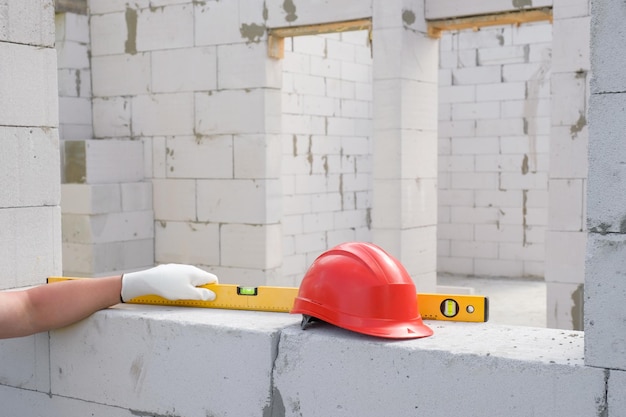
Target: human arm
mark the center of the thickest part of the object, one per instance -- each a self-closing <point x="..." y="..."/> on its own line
<point x="56" y="305"/>
<point x="49" y="307"/>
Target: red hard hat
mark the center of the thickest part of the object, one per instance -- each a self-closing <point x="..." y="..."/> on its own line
<point x="360" y="287"/>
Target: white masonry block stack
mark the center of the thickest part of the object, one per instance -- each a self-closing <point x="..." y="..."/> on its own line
<point x="192" y="84"/>
<point x="72" y="46"/>
<point x="494" y="134"/>
<point x="566" y="234"/>
<point x="404" y="200"/>
<point x="326" y="142"/>
<point x="107" y="208"/>
<point x="30" y="217"/>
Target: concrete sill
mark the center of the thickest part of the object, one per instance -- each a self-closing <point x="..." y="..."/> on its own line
<point x="200" y="362"/>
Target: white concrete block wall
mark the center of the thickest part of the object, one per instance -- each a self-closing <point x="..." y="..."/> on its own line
<point x="198" y="362"/>
<point x="180" y="362"/>
<point x="30" y="248"/>
<point x="74" y="74"/>
<point x="494" y="134"/>
<point x="326" y="157"/>
<point x="606" y="214"/>
<point x="107" y="208"/>
<point x="191" y="83"/>
<point x="568" y="164"/>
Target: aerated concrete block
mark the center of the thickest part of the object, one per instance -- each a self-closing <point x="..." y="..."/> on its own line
<point x="116" y="75"/>
<point x="29" y="167"/>
<point x="238" y="111"/>
<point x="247" y="201"/>
<point x="109" y="33"/>
<point x="30" y="248"/>
<point x="182" y="191"/>
<point x="605" y="289"/>
<point x="247" y="66"/>
<point x="164" y="27"/>
<point x="111" y="117"/>
<point x="250" y="246"/>
<point x="108" y="227"/>
<point x="218" y="23"/>
<point x="108" y="6"/>
<point x="173" y="361"/>
<point x="90" y="198"/>
<point x="187" y="242"/>
<point x="27" y="22"/>
<point x="102" y="259"/>
<point x="570" y="45"/>
<point x="561" y="266"/>
<point x="184" y="69"/>
<point x="281" y="13"/>
<point x="163" y="114"/>
<point x="442" y="9"/>
<point x="28" y="85"/>
<point x="257" y="156"/>
<point x="200" y="157"/>
<point x="102" y="161"/>
<point x="564" y="9"/>
<point x="616" y="402"/>
<point x="565" y="304"/>
<point x="405" y="203"/>
<point x="405" y="54"/>
<point x="606" y="207"/>
<point x="26" y="363"/>
<point x="72" y="27"/>
<point x="22" y="402"/>
<point x="356" y="375"/>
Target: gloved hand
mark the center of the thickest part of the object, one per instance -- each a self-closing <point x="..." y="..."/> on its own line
<point x="171" y="281"/>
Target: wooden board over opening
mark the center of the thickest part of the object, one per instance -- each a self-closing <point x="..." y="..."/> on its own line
<point x="435" y="27"/>
<point x="276" y="36"/>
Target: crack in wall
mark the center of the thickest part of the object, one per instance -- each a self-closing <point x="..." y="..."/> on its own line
<point x="276" y="406"/>
<point x="603" y="403"/>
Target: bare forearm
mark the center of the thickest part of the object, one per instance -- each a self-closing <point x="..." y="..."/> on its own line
<point x="60" y="304"/>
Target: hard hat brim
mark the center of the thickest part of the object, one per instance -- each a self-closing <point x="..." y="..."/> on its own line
<point x="389" y="329"/>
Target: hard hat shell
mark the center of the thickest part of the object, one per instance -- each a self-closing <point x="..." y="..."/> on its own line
<point x="360" y="287"/>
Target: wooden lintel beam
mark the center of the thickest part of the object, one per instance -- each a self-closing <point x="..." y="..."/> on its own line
<point x="277" y="35"/>
<point x="435" y="27"/>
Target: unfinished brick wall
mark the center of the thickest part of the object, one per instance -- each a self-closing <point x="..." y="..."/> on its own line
<point x="326" y="136"/>
<point x="73" y="51"/>
<point x="30" y="218"/>
<point x="494" y="131"/>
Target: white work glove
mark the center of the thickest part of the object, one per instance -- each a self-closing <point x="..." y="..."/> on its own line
<point x="171" y="281"/>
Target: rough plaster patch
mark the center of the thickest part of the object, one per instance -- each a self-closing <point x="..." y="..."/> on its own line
<point x="75" y="167"/>
<point x="408" y="17"/>
<point x="519" y="4"/>
<point x="78" y="81"/>
<point x="252" y="32"/>
<point x="130" y="46"/>
<point x="524" y="213"/>
<point x="577" y="308"/>
<point x="602" y="228"/>
<point x="580" y="124"/>
<point x="290" y="8"/>
<point x="525" y="165"/>
<point x="276" y="408"/>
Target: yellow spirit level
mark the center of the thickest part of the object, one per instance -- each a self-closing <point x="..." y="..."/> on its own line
<point x="450" y="307"/>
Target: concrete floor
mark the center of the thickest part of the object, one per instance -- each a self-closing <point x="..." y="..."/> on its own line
<point x="519" y="302"/>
